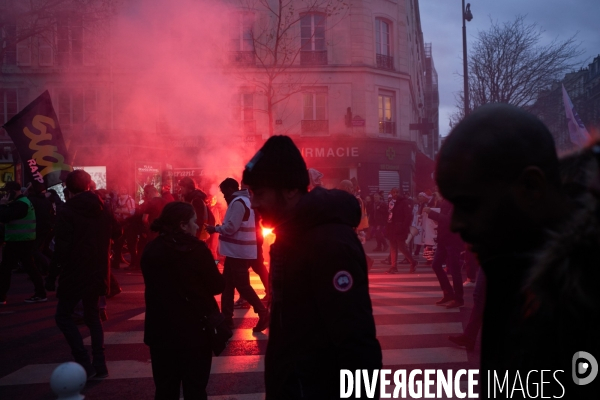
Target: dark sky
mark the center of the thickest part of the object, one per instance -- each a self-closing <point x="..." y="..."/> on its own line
<point x="442" y="26"/>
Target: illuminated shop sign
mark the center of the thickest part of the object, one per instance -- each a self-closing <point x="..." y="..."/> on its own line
<point x="325" y="152"/>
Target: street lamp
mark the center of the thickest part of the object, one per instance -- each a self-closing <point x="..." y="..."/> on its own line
<point x="467" y="16"/>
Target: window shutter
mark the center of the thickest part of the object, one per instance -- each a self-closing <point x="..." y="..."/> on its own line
<point x="90" y="110"/>
<point x="24" y="46"/>
<point x="89" y="43"/>
<point x="46" y="51"/>
<point x="9" y="35"/>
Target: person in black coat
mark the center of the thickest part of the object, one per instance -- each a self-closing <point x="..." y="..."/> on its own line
<point x="397" y="229"/>
<point x="449" y="246"/>
<point x="181" y="280"/>
<point x="84" y="229"/>
<point x="321" y="313"/>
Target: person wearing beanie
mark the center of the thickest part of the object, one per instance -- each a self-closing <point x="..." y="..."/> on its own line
<point x="321" y="313"/>
<point x="197" y="198"/>
<point x="237" y="242"/>
<point x="83" y="232"/>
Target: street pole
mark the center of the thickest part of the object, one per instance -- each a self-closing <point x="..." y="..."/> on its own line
<point x="466" y="16"/>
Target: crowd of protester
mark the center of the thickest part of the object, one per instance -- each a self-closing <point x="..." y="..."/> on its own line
<point x="497" y="169"/>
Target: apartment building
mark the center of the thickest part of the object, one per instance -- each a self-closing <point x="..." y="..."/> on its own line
<point x="347" y="85"/>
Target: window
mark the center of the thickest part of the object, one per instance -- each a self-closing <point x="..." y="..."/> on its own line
<point x="242" y="39"/>
<point x="382" y="37"/>
<point x="8" y="104"/>
<point x="9" y="45"/>
<point x="247" y="107"/>
<point x="75" y="42"/>
<point x="314" y="120"/>
<point x="244" y="112"/>
<point x="312" y="39"/>
<point x="77" y="107"/>
<point x="387" y="124"/>
<point x="383" y="48"/>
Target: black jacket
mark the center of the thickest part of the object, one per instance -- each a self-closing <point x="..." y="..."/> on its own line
<point x="181" y="279"/>
<point x="380" y="213"/>
<point x="13" y="210"/>
<point x="197" y="199"/>
<point x="84" y="228"/>
<point x="445" y="236"/>
<point x="321" y="314"/>
<point x="402" y="216"/>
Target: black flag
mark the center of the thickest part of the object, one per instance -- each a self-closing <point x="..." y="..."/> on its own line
<point x="39" y="141"/>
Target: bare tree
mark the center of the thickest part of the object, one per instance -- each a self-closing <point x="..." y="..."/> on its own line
<point x="508" y="64"/>
<point x="276" y="36"/>
<point x="22" y="20"/>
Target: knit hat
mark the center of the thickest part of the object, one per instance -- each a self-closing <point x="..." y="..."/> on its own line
<point x="278" y="164"/>
<point x="12" y="185"/>
<point x="187" y="182"/>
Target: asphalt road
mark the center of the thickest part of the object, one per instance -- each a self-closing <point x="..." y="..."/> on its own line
<point x="411" y="329"/>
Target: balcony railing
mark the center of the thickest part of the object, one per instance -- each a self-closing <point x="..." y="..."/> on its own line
<point x="242" y="57"/>
<point x="313" y="57"/>
<point x="388" y="127"/>
<point x="385" y="62"/>
<point x="315" y="127"/>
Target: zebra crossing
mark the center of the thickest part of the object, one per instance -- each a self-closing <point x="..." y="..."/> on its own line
<point x="411" y="328"/>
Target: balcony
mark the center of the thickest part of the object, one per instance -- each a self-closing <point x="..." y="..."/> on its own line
<point x="387" y="127"/>
<point x="313" y="57"/>
<point x="385" y="62"/>
<point x="315" y="127"/>
<point x="242" y="57"/>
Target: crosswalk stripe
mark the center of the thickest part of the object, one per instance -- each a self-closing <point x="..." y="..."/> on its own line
<point x="412" y="309"/>
<point x="137" y="337"/>
<point x="404" y="283"/>
<point x="131" y="369"/>
<point x="238" y="313"/>
<point x="404" y="295"/>
<point x="377" y="310"/>
<point x="251" y="396"/>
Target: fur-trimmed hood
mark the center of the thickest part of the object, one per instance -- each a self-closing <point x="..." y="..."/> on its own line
<point x="567" y="270"/>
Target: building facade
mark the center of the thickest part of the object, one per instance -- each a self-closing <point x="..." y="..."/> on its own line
<point x="583" y="87"/>
<point x="346" y="86"/>
<point x="361" y="79"/>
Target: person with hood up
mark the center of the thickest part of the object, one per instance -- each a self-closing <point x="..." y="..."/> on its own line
<point x="84" y="229"/>
<point x="238" y="243"/>
<point x="181" y="281"/>
<point x="321" y="313"/>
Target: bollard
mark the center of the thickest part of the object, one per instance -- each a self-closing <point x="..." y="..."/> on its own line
<point x="67" y="380"/>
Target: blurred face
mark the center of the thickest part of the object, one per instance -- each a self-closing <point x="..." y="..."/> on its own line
<point x="228" y="193"/>
<point x="394" y="193"/>
<point x="376" y="197"/>
<point x="123" y="191"/>
<point x="183" y="190"/>
<point x="270" y="204"/>
<point x="368" y="199"/>
<point x="486" y="214"/>
<point x="190" y="227"/>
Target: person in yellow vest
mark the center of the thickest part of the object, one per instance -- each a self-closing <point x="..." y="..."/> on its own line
<point x="237" y="242"/>
<point x="18" y="215"/>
